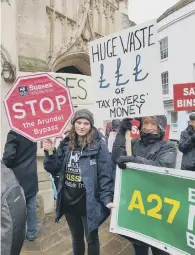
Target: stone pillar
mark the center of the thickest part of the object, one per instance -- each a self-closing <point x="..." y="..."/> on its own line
<point x="45" y="189"/>
<point x="9" y="58"/>
<point x="32" y="36"/>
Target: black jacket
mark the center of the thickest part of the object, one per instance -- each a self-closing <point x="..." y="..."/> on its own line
<point x="13" y="213"/>
<point x="96" y="171"/>
<point x="160" y="153"/>
<point x="187" y="147"/>
<point x="20" y="155"/>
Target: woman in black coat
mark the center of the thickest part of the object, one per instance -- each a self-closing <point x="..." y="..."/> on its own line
<point x="150" y="149"/>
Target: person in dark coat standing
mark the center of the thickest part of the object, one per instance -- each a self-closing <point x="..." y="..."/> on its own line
<point x="13" y="213"/>
<point x="187" y="145"/>
<point x="150" y="149"/>
<point x="112" y="135"/>
<point x="86" y="185"/>
<point x="20" y="155"/>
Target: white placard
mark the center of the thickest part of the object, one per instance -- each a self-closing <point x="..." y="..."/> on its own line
<point x="80" y="87"/>
<point x="125" y="71"/>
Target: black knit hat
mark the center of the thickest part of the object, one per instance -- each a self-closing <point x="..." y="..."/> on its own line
<point x="192" y="116"/>
<point x="83" y="114"/>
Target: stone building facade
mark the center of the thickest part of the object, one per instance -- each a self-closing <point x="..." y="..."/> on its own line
<point x="52" y="36"/>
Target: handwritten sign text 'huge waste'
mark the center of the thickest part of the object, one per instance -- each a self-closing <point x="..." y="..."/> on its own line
<point x="126" y="74"/>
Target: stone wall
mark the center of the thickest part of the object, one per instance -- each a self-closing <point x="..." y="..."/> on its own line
<point x="9" y="57"/>
<point x="54" y="31"/>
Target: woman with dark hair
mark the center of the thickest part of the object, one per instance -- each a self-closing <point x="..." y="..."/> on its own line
<point x="85" y="191"/>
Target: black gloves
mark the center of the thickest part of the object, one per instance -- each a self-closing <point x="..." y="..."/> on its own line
<point x="125" y="125"/>
<point x="193" y="138"/>
<point x="122" y="160"/>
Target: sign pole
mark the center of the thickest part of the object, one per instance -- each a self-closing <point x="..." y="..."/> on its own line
<point x="128" y="143"/>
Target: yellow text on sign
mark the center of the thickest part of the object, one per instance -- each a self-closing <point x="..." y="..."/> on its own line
<point x="155" y="212"/>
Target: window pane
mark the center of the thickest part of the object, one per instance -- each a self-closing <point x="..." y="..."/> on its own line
<point x="165" y="83"/>
<point x="173" y="117"/>
<point x="164" y="48"/>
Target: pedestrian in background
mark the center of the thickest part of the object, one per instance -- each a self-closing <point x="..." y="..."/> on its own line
<point x="85" y="191"/>
<point x="20" y="155"/>
<point x="187" y="145"/>
<point x="112" y="135"/>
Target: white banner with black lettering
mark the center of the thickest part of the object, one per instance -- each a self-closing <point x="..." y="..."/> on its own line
<point x="125" y="71"/>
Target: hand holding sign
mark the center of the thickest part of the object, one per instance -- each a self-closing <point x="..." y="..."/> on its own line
<point x="126" y="125"/>
<point x="125" y="129"/>
<point x="110" y="206"/>
<point x="48" y="144"/>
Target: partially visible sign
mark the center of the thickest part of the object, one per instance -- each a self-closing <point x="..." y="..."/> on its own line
<point x="125" y="71"/>
<point x="81" y="87"/>
<point x="161" y="198"/>
<point x="184" y="96"/>
<point x="135" y="129"/>
<point x="167" y="132"/>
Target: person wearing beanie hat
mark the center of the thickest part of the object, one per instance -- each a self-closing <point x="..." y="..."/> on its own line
<point x="150" y="149"/>
<point x="86" y="186"/>
<point x="83" y="114"/>
<point x="187" y="145"/>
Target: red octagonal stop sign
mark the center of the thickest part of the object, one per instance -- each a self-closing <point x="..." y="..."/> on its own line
<point x="38" y="106"/>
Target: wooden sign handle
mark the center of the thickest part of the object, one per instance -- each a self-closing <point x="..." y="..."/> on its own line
<point x="128" y="143"/>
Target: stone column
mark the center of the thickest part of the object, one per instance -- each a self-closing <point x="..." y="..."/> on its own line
<point x="33" y="45"/>
<point x="9" y="58"/>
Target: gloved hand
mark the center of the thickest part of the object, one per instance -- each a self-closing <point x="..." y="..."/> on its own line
<point x="125" y="125"/>
<point x="193" y="138"/>
<point x="190" y="130"/>
<point x="122" y="160"/>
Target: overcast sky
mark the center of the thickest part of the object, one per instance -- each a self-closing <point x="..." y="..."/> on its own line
<point x="143" y="10"/>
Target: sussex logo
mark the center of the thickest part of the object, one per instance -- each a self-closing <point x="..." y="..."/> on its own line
<point x="23" y="91"/>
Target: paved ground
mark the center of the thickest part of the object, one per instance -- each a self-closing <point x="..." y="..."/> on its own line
<point x="54" y="239"/>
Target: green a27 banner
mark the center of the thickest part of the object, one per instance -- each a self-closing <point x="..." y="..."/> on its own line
<point x="157" y="206"/>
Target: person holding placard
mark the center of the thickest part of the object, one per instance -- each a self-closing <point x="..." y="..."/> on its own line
<point x="150" y="149"/>
<point x="187" y="145"/>
<point x="86" y="185"/>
